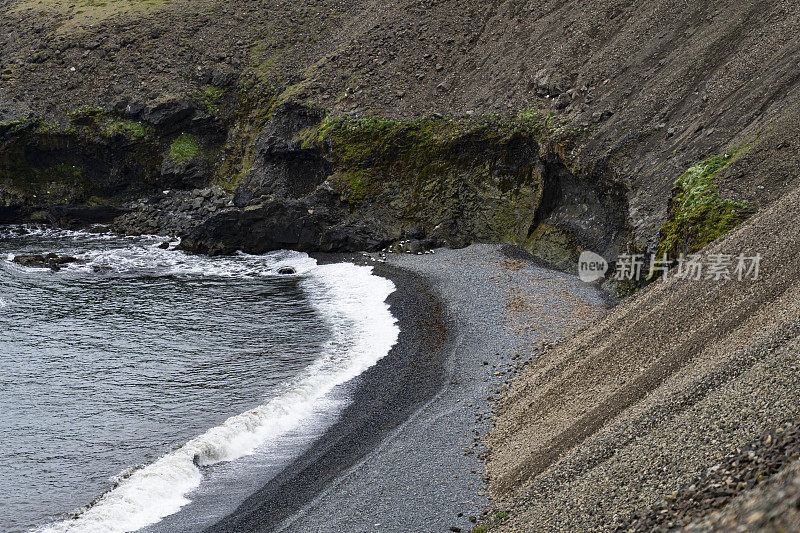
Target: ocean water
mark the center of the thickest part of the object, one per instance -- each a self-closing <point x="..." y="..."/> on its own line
<point x="140" y="379"/>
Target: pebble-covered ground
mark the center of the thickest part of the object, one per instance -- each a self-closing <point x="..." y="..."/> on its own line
<point x="773" y="506"/>
<point x="700" y="505"/>
<point x="638" y="421"/>
<point x="427" y="475"/>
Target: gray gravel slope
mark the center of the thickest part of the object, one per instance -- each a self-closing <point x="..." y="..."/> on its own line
<point x="629" y="411"/>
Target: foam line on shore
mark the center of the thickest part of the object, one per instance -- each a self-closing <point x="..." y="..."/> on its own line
<point x="348" y="297"/>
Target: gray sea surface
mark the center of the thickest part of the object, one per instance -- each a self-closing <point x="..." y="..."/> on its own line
<point x="128" y="353"/>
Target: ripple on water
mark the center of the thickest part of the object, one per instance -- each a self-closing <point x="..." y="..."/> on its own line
<point x="138" y="355"/>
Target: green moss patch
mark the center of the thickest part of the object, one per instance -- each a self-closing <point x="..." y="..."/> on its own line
<point x="482" y="172"/>
<point x="212" y="99"/>
<point x="697" y="214"/>
<point x="183" y="148"/>
<point x="131" y="129"/>
<point x="483" y="528"/>
<point x="86" y="115"/>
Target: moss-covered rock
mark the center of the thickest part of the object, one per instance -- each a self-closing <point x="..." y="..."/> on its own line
<point x="95" y="156"/>
<point x="697" y="214"/>
<point x="478" y="176"/>
<point x="131" y="129"/>
<point x="254" y="108"/>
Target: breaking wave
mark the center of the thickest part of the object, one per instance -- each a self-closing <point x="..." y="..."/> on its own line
<point x="350" y="298"/>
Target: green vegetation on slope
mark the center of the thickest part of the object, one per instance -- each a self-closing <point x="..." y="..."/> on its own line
<point x="183" y="148"/>
<point x="211" y="97"/>
<point x="129" y="128"/>
<point x="697" y="214"/>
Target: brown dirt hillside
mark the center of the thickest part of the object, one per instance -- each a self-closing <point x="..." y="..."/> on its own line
<point x="619" y="417"/>
<point x="660" y="83"/>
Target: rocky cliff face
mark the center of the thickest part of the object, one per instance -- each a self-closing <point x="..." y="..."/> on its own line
<point x="652" y="89"/>
<point x="306" y="180"/>
<point x="336" y="184"/>
<point x="87" y="167"/>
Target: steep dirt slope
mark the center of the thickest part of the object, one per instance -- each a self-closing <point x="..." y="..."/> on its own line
<point x="625" y="413"/>
<point x="658" y="85"/>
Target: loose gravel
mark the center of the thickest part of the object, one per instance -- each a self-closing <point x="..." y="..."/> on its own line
<point x="427" y="475"/>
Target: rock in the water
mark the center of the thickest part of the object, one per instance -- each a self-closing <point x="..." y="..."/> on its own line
<point x="286" y="271"/>
<point x="52" y="261"/>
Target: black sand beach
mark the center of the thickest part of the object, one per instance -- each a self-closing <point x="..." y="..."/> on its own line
<point x="404" y="454"/>
<point x="383" y="397"/>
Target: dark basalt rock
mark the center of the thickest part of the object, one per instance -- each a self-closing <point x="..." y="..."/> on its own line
<point x="9" y="214"/>
<point x="276" y="225"/>
<point x="286" y="271"/>
<point x="52" y="261"/>
<point x="173" y="112"/>
<point x="282" y="167"/>
<point x="311" y="224"/>
<point x="195" y="172"/>
<point x="174" y="213"/>
<point x="82" y="215"/>
<point x="223" y="77"/>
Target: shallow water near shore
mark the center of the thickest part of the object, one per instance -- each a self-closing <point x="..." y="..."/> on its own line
<point x="139" y="378"/>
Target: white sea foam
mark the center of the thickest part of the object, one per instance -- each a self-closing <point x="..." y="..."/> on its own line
<point x="49" y="232"/>
<point x="142" y="255"/>
<point x="136" y="260"/>
<point x="363" y="331"/>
